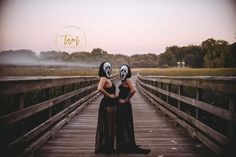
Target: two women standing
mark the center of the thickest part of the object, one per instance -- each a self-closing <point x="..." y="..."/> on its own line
<point x="115" y="117"/>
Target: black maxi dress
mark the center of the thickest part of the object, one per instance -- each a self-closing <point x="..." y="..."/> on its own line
<point x="105" y="141"/>
<point x="125" y="127"/>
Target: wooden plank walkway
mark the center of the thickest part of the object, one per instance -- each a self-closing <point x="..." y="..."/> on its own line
<point x="153" y="130"/>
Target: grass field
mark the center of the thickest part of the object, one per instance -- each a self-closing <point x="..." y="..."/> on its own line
<point x="47" y="71"/>
<point x="187" y="71"/>
<point x="42" y="71"/>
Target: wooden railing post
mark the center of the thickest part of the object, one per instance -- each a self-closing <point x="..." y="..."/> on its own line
<point x="48" y="93"/>
<point x="231" y="109"/>
<point x="155" y="83"/>
<point x="25" y="137"/>
<point x="198" y="97"/>
<point x="63" y="88"/>
<point x="20" y="98"/>
<point x="180" y="92"/>
<point x="197" y="128"/>
<point x="74" y="88"/>
<point x="152" y="84"/>
<point x="168" y="90"/>
<point x="160" y="95"/>
<point x="77" y="87"/>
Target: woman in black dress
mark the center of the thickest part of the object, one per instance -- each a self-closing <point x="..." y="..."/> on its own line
<point x="107" y="111"/>
<point x="125" y="128"/>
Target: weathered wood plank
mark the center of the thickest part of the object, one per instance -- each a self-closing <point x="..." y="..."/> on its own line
<point x="204" y="128"/>
<point x="153" y="130"/>
<point x="21" y="85"/>
<point x="220" y="112"/>
<point x="50" y="134"/>
<point x="222" y="84"/>
<point x="27" y="112"/>
<point x="192" y="131"/>
<point x="28" y="137"/>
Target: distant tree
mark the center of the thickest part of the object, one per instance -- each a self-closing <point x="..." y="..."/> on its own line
<point x="167" y="59"/>
<point x="193" y="56"/>
<point x="211" y="53"/>
<point x="217" y="53"/>
<point x="176" y="51"/>
<point x="232" y="49"/>
<point x="48" y="55"/>
<point x="18" y="57"/>
<point x="54" y="55"/>
<point x="79" y="56"/>
<point x="23" y="53"/>
<point x="98" y="52"/>
<point x="118" y="60"/>
<point x="144" y="60"/>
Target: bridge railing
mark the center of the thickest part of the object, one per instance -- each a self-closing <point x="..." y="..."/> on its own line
<point x="204" y="106"/>
<point x="34" y="108"/>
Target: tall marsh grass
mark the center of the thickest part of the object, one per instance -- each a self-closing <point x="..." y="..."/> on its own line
<point x="186" y="71"/>
<point x="48" y="71"/>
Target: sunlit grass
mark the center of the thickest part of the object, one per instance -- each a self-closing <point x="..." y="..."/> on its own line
<point x="47" y="71"/>
<point x="186" y="71"/>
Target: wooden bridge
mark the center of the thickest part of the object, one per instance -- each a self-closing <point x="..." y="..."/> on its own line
<point x="57" y="116"/>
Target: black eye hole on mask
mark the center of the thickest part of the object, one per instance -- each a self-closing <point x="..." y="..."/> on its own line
<point x="108" y="68"/>
<point x="123" y="71"/>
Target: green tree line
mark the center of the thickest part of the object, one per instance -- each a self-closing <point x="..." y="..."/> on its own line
<point x="210" y="54"/>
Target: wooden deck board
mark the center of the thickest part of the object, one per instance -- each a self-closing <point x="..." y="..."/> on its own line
<point x="153" y="130"/>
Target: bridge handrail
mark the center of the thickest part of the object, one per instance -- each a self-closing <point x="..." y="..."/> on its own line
<point x="207" y="135"/>
<point x="78" y="98"/>
<point x="219" y="83"/>
<point x="25" y="84"/>
<point x="29" y="111"/>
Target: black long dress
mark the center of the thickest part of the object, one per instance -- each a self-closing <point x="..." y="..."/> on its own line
<point x="125" y="128"/>
<point x="106" y="123"/>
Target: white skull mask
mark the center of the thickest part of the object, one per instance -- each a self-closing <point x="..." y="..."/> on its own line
<point x="123" y="72"/>
<point x="107" y="69"/>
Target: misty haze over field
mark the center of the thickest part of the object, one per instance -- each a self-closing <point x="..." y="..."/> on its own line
<point x="210" y="54"/>
<point x="24" y="61"/>
<point x="28" y="59"/>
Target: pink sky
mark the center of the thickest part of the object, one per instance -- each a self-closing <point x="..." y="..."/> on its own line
<point x="127" y="27"/>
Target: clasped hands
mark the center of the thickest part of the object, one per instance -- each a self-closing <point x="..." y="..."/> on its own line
<point x="121" y="101"/>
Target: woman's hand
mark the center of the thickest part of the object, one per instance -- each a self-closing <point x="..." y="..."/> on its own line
<point x="113" y="96"/>
<point x="123" y="101"/>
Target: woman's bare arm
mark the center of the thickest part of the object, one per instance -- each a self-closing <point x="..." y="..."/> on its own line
<point x="101" y="85"/>
<point x="131" y="87"/>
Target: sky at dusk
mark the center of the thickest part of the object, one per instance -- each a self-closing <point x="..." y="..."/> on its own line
<point x="117" y="26"/>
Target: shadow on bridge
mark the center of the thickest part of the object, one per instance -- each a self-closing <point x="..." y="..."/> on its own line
<point x="153" y="130"/>
<point x="57" y="116"/>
